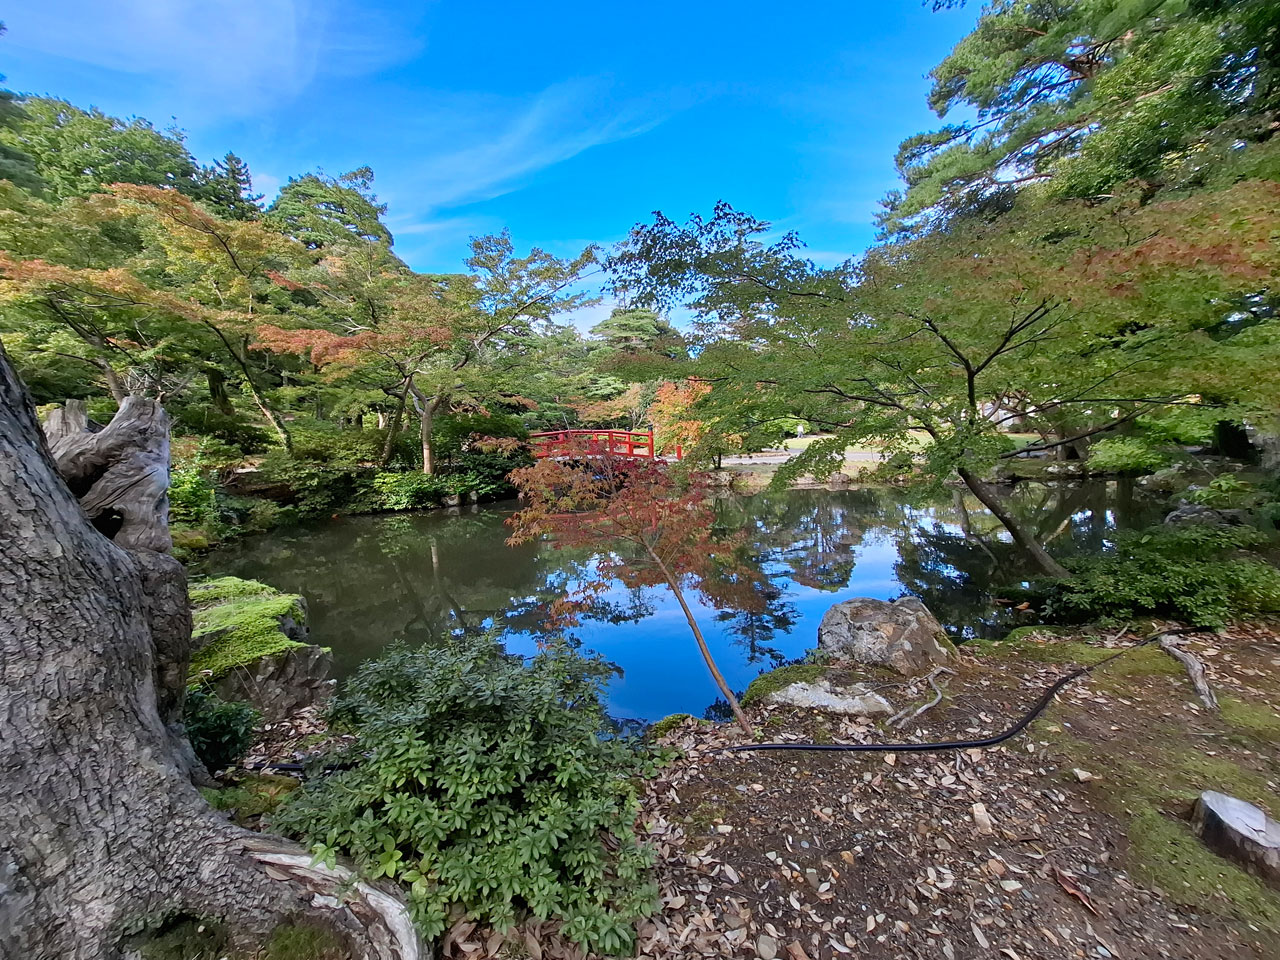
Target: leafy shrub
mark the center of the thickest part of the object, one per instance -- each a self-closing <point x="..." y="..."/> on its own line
<point x="317" y="490"/>
<point x="485" y="472"/>
<point x="1196" y="573"/>
<point x="487" y="784"/>
<point x="220" y="731"/>
<point x="450" y="434"/>
<point x="205" y="420"/>
<point x="1126" y="455"/>
<point x="324" y="441"/>
<point x="193" y="497"/>
<point x="1224" y="491"/>
<point x="408" y="491"/>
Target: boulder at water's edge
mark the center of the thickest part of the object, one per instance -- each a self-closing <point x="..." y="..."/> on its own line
<point x="900" y="634"/>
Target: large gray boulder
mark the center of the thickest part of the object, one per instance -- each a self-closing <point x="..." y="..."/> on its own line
<point x="1237" y="829"/>
<point x="902" y="635"/>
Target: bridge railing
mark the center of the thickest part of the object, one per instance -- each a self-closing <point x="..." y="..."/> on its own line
<point x="618" y="443"/>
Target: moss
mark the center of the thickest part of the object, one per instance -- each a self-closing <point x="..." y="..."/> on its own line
<point x="1169" y="856"/>
<point x="304" y="942"/>
<point x="1251" y="719"/>
<point x="1163" y="851"/>
<point x="222" y="589"/>
<point x="184" y="939"/>
<point x="775" y="680"/>
<point x="241" y="621"/>
<point x="667" y="724"/>
<point x="252" y="795"/>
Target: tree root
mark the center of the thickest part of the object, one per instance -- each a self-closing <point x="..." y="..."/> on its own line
<point x="902" y="717"/>
<point x="1195" y="670"/>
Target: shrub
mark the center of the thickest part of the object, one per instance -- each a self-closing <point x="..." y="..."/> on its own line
<point x="193" y="497"/>
<point x="1197" y="573"/>
<point x="220" y="731"/>
<point x="1126" y="455"/>
<point x="205" y="420"/>
<point x="318" y="490"/>
<point x="487" y="784"/>
<point x="407" y="491"/>
<point x="324" y="441"/>
<point x="485" y="472"/>
<point x="450" y="434"/>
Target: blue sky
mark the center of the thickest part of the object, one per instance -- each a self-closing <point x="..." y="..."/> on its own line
<point x="565" y="122"/>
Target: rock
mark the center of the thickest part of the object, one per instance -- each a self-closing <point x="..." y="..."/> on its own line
<point x="901" y="634"/>
<point x="1198" y="513"/>
<point x="766" y="947"/>
<point x="251" y="645"/>
<point x="1240" y="831"/>
<point x="839" y="480"/>
<point x="282" y="683"/>
<point x="856" y="701"/>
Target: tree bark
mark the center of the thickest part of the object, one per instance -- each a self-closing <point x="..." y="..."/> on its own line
<point x="393" y="431"/>
<point x="218" y="391"/>
<point x="101" y="828"/>
<point x="992" y="500"/>
<point x="426" y="408"/>
<point x="112" y="380"/>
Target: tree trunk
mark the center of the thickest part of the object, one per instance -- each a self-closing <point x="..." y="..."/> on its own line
<point x="112" y="380"/>
<point x="716" y="675"/>
<point x="426" y="408"/>
<point x="393" y="431"/>
<point x="992" y="500"/>
<point x="101" y="828"/>
<point x="218" y="391"/>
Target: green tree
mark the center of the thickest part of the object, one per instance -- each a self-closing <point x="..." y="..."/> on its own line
<point x="227" y="188"/>
<point x="320" y="210"/>
<point x="78" y="152"/>
<point x="1073" y="98"/>
<point x="1093" y="318"/>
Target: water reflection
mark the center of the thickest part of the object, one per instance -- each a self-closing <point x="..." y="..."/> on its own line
<point x="371" y="580"/>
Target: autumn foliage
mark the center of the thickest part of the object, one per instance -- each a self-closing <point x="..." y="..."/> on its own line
<point x="647" y="528"/>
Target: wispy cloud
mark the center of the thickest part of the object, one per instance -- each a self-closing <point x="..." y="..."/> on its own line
<point x="214" y="57"/>
<point x="499" y="143"/>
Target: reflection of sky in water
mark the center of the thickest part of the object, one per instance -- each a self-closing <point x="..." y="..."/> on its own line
<point x="370" y="581"/>
<point x="662" y="669"/>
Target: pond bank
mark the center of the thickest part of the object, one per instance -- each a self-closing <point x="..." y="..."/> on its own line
<point x="1071" y="840"/>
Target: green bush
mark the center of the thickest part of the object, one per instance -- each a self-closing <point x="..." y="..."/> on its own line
<point x="220" y="731"/>
<point x="205" y="420"/>
<point x="450" y="434"/>
<point x="1196" y="573"/>
<point x="193" y="496"/>
<point x="408" y="491"/>
<point x="1126" y="455"/>
<point x="487" y="784"/>
<point x="326" y="442"/>
<point x="318" y="490"/>
<point x="485" y="472"/>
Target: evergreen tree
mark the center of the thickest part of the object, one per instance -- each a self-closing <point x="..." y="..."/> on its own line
<point x="227" y="186"/>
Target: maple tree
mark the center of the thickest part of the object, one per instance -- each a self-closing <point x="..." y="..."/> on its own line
<point x="666" y="528"/>
<point x="431" y="341"/>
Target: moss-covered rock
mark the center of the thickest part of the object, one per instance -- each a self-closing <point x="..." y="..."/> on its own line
<point x="775" y="680"/>
<point x="238" y="622"/>
<point x="251" y="645"/>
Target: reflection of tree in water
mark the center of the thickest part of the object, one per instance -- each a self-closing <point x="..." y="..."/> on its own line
<point x="421" y="577"/>
<point x="955" y="555"/>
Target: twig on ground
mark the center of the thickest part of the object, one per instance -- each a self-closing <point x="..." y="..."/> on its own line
<point x="1195" y="670"/>
<point x="901" y="717"/>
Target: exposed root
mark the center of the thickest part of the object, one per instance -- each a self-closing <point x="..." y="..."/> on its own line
<point x="1195" y="670"/>
<point x="902" y="717"/>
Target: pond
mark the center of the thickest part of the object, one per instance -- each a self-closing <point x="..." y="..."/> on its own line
<point x="369" y="581"/>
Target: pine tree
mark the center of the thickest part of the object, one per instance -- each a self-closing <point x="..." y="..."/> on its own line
<point x="228" y="188"/>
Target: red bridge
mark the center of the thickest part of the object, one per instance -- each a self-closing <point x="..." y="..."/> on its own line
<point x="596" y="443"/>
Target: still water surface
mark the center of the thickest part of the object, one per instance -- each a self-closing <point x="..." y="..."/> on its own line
<point x="416" y="577"/>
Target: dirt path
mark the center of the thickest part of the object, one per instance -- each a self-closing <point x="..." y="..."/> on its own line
<point x="1069" y="842"/>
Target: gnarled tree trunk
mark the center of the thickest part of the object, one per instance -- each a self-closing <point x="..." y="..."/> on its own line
<point x="101" y="828"/>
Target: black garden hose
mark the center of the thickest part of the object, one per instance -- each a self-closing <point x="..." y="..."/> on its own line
<point x="1012" y="732"/>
